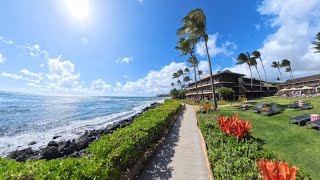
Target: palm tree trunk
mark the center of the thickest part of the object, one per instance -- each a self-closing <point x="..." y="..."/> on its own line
<point x="260" y="80"/>
<point x="195" y="78"/>
<point x="184" y="83"/>
<point x="292" y="76"/>
<point x="211" y="75"/>
<point x="251" y="75"/>
<point x="280" y="74"/>
<point x="201" y="87"/>
<point x="265" y="74"/>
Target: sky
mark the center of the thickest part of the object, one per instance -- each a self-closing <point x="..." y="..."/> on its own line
<point x="127" y="47"/>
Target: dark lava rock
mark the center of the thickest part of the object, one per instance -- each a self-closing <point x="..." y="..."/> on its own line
<point x="55" y="137"/>
<point x="36" y="157"/>
<point x="74" y="154"/>
<point x="22" y="154"/>
<point x="50" y="153"/>
<point x="63" y="144"/>
<point x="82" y="142"/>
<point x="53" y="144"/>
<point x="32" y="143"/>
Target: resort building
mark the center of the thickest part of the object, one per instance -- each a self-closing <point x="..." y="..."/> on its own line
<point x="310" y="81"/>
<point x="238" y="82"/>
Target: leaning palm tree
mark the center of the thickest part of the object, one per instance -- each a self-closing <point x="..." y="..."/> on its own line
<point x="195" y="26"/>
<point x="317" y="43"/>
<point x="180" y="72"/>
<point x="175" y="76"/>
<point x="186" y="79"/>
<point x="186" y="46"/>
<point x="172" y="84"/>
<point x="257" y="55"/>
<point x="278" y="66"/>
<point x="253" y="62"/>
<point x="200" y="73"/>
<point x="187" y="71"/>
<point x="287" y="64"/>
<point x="194" y="62"/>
<point x="244" y="58"/>
<point x="179" y="82"/>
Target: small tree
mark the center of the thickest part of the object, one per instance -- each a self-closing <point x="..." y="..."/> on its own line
<point x="225" y="93"/>
<point x="174" y="93"/>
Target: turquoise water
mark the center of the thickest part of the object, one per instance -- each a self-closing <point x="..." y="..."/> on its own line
<point x="25" y="118"/>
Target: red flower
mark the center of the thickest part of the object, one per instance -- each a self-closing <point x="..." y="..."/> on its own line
<point x="233" y="126"/>
<point x="276" y="171"/>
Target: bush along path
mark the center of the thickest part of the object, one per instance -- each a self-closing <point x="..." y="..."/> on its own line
<point x="181" y="156"/>
<point x="235" y="154"/>
<point x="107" y="158"/>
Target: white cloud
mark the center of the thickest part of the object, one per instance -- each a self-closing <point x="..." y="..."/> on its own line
<point x="41" y="65"/>
<point x="257" y="26"/>
<point x="226" y="48"/>
<point x="125" y="60"/>
<point x="125" y="76"/>
<point x="5" y="41"/>
<point x="34" y="85"/>
<point x="32" y="74"/>
<point x="140" y="1"/>
<point x="61" y="73"/>
<point x="296" y="23"/>
<point x="100" y="85"/>
<point x="36" y="51"/>
<point x="11" y="75"/>
<point x="2" y="59"/>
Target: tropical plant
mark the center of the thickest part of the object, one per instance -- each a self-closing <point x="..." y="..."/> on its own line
<point x="278" y="66"/>
<point x="257" y="55"/>
<point x="181" y="73"/>
<point x="187" y="79"/>
<point x="206" y="108"/>
<point x="176" y="76"/>
<point x="276" y="170"/>
<point x="317" y="43"/>
<point x="174" y="93"/>
<point x="234" y="126"/>
<point x="195" y="26"/>
<point x="200" y="73"/>
<point x="287" y="64"/>
<point x="225" y="93"/>
<point x="186" y="46"/>
<point x="253" y="62"/>
<point x="187" y="71"/>
<point x="244" y="58"/>
<point x="179" y="82"/>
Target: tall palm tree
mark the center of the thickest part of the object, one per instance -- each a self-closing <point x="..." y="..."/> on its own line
<point x="195" y="25"/>
<point x="244" y="58"/>
<point x="186" y="79"/>
<point x="172" y="84"/>
<point x="253" y="62"/>
<point x="180" y="72"/>
<point x="200" y="73"/>
<point x="176" y="76"/>
<point x="317" y="43"/>
<point x="287" y="64"/>
<point x="186" y="46"/>
<point x="194" y="62"/>
<point x="278" y="66"/>
<point x="179" y="82"/>
<point x="257" y="55"/>
<point x="187" y="71"/>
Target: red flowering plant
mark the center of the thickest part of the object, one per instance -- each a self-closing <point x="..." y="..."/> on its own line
<point x="207" y="107"/>
<point x="276" y="170"/>
<point x="234" y="126"/>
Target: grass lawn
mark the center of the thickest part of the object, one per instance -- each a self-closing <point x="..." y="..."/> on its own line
<point x="292" y="143"/>
<point x="191" y="102"/>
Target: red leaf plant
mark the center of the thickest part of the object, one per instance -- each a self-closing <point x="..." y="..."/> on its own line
<point x="276" y="170"/>
<point x="207" y="107"/>
<point x="234" y="126"/>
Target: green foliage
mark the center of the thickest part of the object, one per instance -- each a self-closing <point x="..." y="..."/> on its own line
<point x="110" y="155"/>
<point x="230" y="158"/>
<point x="178" y="94"/>
<point x="226" y="93"/>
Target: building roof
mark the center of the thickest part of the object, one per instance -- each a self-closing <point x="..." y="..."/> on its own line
<point x="222" y="72"/>
<point x="303" y="79"/>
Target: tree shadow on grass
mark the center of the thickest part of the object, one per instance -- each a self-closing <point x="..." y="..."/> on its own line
<point x="158" y="165"/>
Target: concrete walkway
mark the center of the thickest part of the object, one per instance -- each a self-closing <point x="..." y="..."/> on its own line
<point x="181" y="156"/>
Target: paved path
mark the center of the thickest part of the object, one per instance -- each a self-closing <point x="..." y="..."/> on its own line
<point x="181" y="155"/>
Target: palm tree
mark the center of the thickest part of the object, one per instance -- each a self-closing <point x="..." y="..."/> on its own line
<point x="317" y="43"/>
<point x="257" y="55"/>
<point x="176" y="75"/>
<point x="200" y="73"/>
<point x="194" y="62"/>
<point x="179" y="82"/>
<point x="172" y="84"/>
<point x="253" y="62"/>
<point x="244" y="58"/>
<point x="186" y="46"/>
<point x="187" y="71"/>
<point x="278" y="66"/>
<point x="186" y="79"/>
<point x="195" y="25"/>
<point x="286" y="63"/>
<point x="180" y="72"/>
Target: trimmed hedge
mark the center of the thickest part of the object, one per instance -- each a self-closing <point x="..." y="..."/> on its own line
<point x="109" y="156"/>
<point x="231" y="158"/>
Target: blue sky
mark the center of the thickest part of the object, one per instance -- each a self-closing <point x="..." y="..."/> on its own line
<point x="126" y="47"/>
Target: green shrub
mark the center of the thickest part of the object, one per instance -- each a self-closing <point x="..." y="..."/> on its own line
<point x="230" y="158"/>
<point x="109" y="155"/>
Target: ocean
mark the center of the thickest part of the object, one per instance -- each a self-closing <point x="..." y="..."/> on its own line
<point x="25" y="118"/>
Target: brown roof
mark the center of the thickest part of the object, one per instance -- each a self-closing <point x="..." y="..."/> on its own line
<point x="222" y="72"/>
<point x="303" y="79"/>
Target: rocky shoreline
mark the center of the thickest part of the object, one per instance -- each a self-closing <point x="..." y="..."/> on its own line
<point x="74" y="147"/>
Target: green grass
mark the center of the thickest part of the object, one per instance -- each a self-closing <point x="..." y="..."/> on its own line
<point x="292" y="143"/>
<point x="192" y="102"/>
